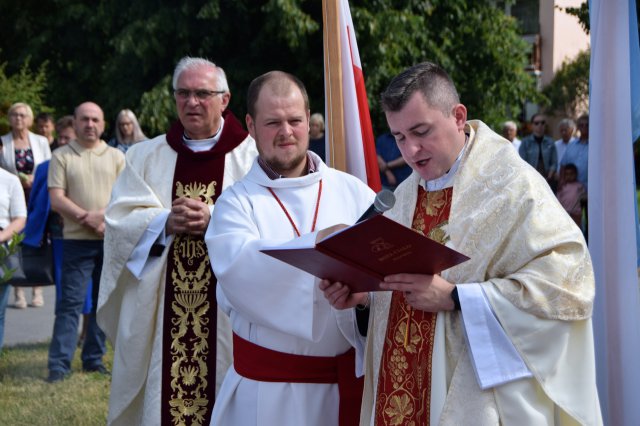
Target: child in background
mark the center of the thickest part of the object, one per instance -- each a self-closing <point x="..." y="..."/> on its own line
<point x="572" y="193"/>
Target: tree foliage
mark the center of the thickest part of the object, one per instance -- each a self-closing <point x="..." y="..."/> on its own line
<point x="23" y="86"/>
<point x="582" y="13"/>
<point x="568" y="93"/>
<point x="120" y="53"/>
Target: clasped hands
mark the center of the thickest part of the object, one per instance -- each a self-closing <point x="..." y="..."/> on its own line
<point x="430" y="293"/>
<point x="93" y="219"/>
<point x="188" y="216"/>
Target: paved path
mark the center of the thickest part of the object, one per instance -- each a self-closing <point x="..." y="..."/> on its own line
<point x="31" y="325"/>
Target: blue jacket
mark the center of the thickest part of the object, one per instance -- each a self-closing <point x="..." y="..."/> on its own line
<point x="530" y="152"/>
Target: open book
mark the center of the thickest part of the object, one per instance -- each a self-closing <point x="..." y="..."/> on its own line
<point x="361" y="255"/>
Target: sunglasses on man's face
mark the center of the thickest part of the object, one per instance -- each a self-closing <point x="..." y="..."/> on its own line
<point x="537" y="123"/>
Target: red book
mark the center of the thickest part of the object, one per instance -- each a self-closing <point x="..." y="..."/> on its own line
<point x="361" y="255"/>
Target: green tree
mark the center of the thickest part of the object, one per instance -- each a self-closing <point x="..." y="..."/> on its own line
<point x="120" y="53"/>
<point x="474" y="41"/>
<point x="23" y="86"/>
<point x="568" y="93"/>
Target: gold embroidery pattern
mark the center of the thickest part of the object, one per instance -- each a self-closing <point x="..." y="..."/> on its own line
<point x="404" y="384"/>
<point x="197" y="191"/>
<point x="404" y="399"/>
<point x="191" y="278"/>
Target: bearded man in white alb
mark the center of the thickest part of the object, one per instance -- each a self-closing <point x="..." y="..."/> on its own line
<point x="289" y="354"/>
<point x="157" y="304"/>
<point x="505" y="337"/>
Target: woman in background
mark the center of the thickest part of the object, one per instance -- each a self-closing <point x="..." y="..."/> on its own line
<point x="316" y="135"/>
<point x="128" y="131"/>
<point x="23" y="151"/>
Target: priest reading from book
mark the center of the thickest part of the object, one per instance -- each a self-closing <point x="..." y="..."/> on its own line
<point x="292" y="365"/>
<point x="157" y="304"/>
<point x="502" y="338"/>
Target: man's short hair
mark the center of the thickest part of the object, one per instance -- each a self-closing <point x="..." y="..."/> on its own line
<point x="571" y="166"/>
<point x="428" y="78"/>
<point x="510" y="125"/>
<point x="583" y="117"/>
<point x="44" y="116"/>
<point x="536" y="115"/>
<point x="189" y="63"/>
<point x="278" y="81"/>
<point x="64" y="123"/>
<point x="568" y="123"/>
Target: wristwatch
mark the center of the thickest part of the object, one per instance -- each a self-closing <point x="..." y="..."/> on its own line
<point x="455" y="298"/>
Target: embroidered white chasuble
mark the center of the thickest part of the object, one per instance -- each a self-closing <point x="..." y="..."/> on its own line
<point x="533" y="264"/>
<point x="130" y="311"/>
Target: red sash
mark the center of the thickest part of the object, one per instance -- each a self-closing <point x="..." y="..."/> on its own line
<point x="404" y="384"/>
<point x="266" y="365"/>
<point x="190" y="310"/>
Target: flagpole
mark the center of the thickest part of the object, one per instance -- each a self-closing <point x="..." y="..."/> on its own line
<point x="334" y="99"/>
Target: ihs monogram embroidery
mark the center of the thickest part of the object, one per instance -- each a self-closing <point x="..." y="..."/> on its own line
<point x="190" y="332"/>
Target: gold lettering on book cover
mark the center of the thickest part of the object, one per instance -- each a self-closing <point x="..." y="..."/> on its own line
<point x="191" y="277"/>
<point x="404" y="384"/>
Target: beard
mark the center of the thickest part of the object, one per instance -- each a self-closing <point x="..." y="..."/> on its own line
<point x="283" y="167"/>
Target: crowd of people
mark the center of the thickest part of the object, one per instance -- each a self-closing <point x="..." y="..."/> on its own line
<point x="163" y="237"/>
<point x="564" y="162"/>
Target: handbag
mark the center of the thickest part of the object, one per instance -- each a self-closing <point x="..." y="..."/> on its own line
<point x="37" y="266"/>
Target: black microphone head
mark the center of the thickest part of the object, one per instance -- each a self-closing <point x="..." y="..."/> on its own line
<point x="384" y="201"/>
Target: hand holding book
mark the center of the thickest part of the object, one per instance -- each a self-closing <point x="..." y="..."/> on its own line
<point x="360" y="256"/>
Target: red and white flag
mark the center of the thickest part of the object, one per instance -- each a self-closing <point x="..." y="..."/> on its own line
<point x="353" y="149"/>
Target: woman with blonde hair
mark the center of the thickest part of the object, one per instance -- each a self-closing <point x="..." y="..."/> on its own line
<point x="128" y="131"/>
<point x="22" y="152"/>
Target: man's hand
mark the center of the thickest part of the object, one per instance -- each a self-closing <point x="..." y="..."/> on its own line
<point x="430" y="293"/>
<point x="340" y="296"/>
<point x="188" y="216"/>
<point x="100" y="230"/>
<point x="94" y="219"/>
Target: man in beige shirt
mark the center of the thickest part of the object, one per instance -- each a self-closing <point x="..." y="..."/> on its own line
<point x="81" y="176"/>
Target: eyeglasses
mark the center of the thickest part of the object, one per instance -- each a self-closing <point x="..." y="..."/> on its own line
<point x="537" y="123"/>
<point x="18" y="115"/>
<point x="200" y="94"/>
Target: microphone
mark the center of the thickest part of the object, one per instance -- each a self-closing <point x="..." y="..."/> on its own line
<point x="384" y="201"/>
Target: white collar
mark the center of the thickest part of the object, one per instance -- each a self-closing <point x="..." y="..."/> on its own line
<point x="199" y="145"/>
<point x="446" y="180"/>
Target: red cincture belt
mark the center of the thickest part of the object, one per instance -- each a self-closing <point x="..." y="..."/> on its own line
<point x="266" y="365"/>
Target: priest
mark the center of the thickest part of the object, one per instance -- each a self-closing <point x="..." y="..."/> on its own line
<point x="157" y="304"/>
<point x="503" y="338"/>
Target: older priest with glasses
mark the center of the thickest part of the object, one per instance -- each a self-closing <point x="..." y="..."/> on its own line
<point x="157" y="299"/>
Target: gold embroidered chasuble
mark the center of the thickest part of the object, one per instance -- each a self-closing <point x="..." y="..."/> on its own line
<point x="190" y="310"/>
<point x="534" y="269"/>
<point x="404" y="383"/>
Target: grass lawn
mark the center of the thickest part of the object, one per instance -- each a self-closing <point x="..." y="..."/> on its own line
<point x="26" y="399"/>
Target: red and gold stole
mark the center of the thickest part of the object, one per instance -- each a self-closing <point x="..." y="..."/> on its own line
<point x="190" y="309"/>
<point x="404" y="383"/>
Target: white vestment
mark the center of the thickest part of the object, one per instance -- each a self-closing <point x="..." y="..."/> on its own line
<point x="275" y="305"/>
<point x="534" y="268"/>
<point x="130" y="311"/>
